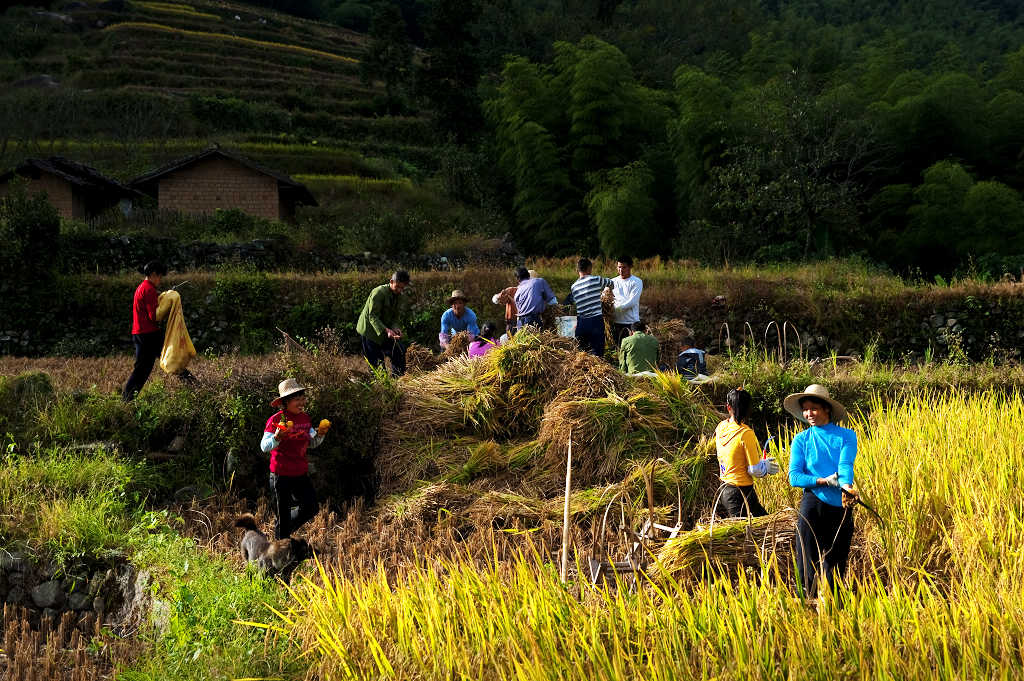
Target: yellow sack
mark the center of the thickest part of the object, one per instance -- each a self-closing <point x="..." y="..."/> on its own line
<point x="178" y="349"/>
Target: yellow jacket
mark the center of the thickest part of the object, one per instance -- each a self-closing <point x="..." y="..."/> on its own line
<point x="737" y="448"/>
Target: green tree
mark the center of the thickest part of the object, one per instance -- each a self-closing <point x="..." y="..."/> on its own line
<point x="388" y="56"/>
<point x="622" y="207"/>
<point x="451" y="68"/>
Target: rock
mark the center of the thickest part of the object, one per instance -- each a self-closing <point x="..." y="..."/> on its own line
<point x="99" y="605"/>
<point x="951" y="322"/>
<point x="48" y="594"/>
<point x="177" y="444"/>
<point x="16" y="596"/>
<point x="12" y="561"/>
<point x="79" y="601"/>
<point x="937" y="320"/>
<point x="16" y="578"/>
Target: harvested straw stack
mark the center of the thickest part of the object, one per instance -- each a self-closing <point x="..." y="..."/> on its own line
<point x="606" y="432"/>
<point x="729" y="545"/>
<point x="670" y="334"/>
<point x="426" y="503"/>
<point x="419" y="358"/>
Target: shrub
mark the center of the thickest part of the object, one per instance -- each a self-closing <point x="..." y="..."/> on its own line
<point x="29" y="226"/>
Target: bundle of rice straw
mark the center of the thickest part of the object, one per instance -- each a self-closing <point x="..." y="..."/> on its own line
<point x="547" y="317"/>
<point x="424" y="504"/>
<point x="458" y="345"/>
<point x="604" y="431"/>
<point x="608" y="313"/>
<point x="670" y="334"/>
<point x="583" y="375"/>
<point x="420" y="358"/>
<point x="728" y="545"/>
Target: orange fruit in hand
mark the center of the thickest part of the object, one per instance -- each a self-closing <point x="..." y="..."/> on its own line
<point x="325" y="423"/>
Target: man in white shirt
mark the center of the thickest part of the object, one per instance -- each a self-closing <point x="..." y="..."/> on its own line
<point x="627" y="289"/>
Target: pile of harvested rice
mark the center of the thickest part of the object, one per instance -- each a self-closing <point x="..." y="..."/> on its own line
<point x="729" y="544"/>
<point x="670" y="334"/>
<point x="420" y="358"/>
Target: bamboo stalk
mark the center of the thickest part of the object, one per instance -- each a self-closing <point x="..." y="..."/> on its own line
<point x="565" y="512"/>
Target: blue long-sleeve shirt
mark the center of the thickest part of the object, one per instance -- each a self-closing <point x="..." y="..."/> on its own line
<point x="451" y="325"/>
<point x="818" y="452"/>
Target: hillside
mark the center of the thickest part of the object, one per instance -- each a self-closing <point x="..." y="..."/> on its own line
<point x="128" y="86"/>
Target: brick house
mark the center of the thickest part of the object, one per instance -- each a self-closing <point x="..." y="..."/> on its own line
<point x="216" y="178"/>
<point x="75" y="190"/>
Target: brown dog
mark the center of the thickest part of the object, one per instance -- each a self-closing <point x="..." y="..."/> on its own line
<point x="278" y="557"/>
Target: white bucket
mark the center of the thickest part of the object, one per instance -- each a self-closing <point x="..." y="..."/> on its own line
<point x="566" y="326"/>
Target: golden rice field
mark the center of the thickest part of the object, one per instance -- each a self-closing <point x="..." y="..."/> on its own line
<point x="934" y="592"/>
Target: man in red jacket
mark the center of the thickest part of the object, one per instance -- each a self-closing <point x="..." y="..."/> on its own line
<point x="146" y="334"/>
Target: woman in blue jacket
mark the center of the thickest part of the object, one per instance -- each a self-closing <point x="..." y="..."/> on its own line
<point x="821" y="462"/>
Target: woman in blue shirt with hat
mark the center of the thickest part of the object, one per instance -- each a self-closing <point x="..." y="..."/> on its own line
<point x="821" y="461"/>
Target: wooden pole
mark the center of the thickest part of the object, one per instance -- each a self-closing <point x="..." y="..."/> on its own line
<point x="565" y="513"/>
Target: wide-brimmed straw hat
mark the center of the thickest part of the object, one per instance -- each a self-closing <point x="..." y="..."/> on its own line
<point x="457" y="294"/>
<point x="819" y="392"/>
<point x="288" y="386"/>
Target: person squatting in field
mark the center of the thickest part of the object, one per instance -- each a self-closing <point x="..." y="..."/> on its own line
<point x="739" y="459"/>
<point x="147" y="336"/>
<point x="486" y="341"/>
<point x="378" y="327"/>
<point x="821" y="462"/>
<point x="287" y="436"/>
<point x="458" y="317"/>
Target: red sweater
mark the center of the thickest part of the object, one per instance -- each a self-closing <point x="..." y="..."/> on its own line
<point x="144" y="308"/>
<point x="289" y="457"/>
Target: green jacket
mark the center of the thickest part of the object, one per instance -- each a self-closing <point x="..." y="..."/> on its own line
<point x="382" y="311"/>
<point x="637" y="353"/>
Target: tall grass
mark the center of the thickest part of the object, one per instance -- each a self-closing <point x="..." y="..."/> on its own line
<point x="936" y="589"/>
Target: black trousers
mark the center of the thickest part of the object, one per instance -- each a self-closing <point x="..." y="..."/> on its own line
<point x="590" y="335"/>
<point x="289" y="489"/>
<point x="823" y="536"/>
<point x="620" y="331"/>
<point x="391" y="348"/>
<point x="148" y="347"/>
<point x="739" y="502"/>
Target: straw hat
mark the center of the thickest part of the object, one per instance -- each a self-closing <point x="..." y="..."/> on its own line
<point x="288" y="386"/>
<point x="792" y="403"/>
<point x="533" y="274"/>
<point x="457" y="294"/>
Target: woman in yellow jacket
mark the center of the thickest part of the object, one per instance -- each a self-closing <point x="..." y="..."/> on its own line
<point x="739" y="459"/>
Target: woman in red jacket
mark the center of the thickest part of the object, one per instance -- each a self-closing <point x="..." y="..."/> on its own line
<point x="146" y="334"/>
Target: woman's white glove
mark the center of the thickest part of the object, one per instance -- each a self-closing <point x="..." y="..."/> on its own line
<point x="494" y="298"/>
<point x="832" y="480"/>
<point x="764" y="467"/>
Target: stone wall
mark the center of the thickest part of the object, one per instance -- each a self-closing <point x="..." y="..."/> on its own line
<point x="216" y="183"/>
<point x="116" y="595"/>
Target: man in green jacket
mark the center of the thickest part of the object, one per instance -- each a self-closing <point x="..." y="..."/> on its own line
<point x="378" y="324"/>
<point x="639" y="351"/>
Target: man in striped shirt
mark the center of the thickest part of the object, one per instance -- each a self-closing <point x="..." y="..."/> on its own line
<point x="586" y="296"/>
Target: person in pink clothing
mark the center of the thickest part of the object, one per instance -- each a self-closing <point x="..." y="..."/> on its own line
<point x="286" y="437"/>
<point x="487" y="340"/>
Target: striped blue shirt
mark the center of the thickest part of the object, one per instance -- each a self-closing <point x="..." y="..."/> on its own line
<point x="586" y="295"/>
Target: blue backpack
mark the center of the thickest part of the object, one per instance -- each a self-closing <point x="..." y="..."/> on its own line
<point x="691" y="362"/>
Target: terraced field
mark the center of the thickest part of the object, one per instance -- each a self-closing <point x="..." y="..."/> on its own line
<point x="163" y="79"/>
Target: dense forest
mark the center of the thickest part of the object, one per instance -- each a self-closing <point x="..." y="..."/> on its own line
<point x="718" y="130"/>
<point x="730" y="131"/>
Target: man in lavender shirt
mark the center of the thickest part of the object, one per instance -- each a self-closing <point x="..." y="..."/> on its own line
<point x="533" y="295"/>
